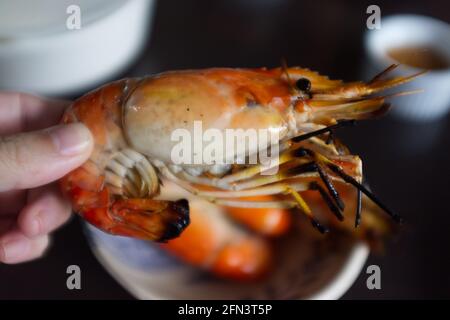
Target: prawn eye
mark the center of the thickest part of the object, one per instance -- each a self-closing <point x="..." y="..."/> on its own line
<point x="303" y="84"/>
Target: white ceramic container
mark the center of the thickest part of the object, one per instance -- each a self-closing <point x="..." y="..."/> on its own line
<point x="407" y="30"/>
<point x="40" y="54"/>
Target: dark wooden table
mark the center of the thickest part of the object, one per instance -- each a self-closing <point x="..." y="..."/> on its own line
<point x="407" y="164"/>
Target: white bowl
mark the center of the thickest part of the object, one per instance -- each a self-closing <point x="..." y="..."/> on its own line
<point x="308" y="267"/>
<point x="42" y="56"/>
<point x="407" y="30"/>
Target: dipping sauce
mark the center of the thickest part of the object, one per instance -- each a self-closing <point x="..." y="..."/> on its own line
<point x="420" y="57"/>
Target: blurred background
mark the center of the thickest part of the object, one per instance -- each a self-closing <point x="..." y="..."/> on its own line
<point x="405" y="161"/>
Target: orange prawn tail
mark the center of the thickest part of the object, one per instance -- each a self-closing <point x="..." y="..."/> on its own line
<point x="272" y="222"/>
<point x="86" y="187"/>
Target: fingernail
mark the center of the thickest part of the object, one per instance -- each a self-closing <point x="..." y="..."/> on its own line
<point x="70" y="139"/>
<point x="35" y="226"/>
<point x="14" y="250"/>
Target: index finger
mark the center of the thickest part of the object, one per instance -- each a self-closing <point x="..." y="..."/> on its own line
<point x="24" y="112"/>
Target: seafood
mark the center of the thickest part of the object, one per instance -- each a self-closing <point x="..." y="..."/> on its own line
<point x="215" y="244"/>
<point x="245" y="251"/>
<point x="271" y="222"/>
<point x="132" y="121"/>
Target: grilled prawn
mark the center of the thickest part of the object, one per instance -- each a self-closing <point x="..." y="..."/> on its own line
<point x="132" y="121"/>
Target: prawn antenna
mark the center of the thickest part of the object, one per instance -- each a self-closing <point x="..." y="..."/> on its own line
<point x="364" y="190"/>
<point x="383" y="73"/>
<point x="284" y="67"/>
<point x="358" y="207"/>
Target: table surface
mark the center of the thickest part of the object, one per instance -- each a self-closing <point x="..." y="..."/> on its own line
<point x="407" y="164"/>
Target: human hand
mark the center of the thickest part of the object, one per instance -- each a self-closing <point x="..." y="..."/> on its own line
<point x="34" y="151"/>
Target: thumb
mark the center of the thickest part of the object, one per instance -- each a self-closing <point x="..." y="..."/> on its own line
<point x="36" y="158"/>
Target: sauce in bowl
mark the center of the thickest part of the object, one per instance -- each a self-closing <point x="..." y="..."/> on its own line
<point x="420" y="57"/>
